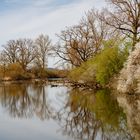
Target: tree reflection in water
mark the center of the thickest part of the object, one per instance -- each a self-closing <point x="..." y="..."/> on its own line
<point x="89" y="116"/>
<point x="84" y="115"/>
<point x="25" y="100"/>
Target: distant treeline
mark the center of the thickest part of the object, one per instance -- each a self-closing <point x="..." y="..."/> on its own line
<point x="26" y="59"/>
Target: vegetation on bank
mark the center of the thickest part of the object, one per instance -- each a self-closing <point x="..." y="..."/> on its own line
<point x="104" y="66"/>
<point x="16" y="72"/>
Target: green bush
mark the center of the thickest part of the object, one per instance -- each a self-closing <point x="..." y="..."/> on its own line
<point x="108" y="63"/>
<point x="84" y="73"/>
<point x="103" y="66"/>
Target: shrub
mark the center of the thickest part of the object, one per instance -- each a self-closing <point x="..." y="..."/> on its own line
<point x="108" y="63"/>
<point x="103" y="66"/>
<point x="15" y="72"/>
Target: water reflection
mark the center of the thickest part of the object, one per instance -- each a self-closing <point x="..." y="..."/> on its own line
<point x="91" y="116"/>
<point x="24" y="100"/>
<point x="131" y="106"/>
<point x="81" y="114"/>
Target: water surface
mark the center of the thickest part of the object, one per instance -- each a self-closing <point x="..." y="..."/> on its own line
<point x="37" y="111"/>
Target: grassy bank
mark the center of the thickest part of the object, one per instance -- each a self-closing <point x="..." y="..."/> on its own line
<point x="14" y="72"/>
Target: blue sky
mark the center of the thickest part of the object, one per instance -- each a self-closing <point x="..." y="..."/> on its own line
<point x="12" y="4"/>
<point x="29" y="18"/>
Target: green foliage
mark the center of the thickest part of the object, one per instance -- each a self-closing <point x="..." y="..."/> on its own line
<point x="103" y="66"/>
<point x="99" y="104"/>
<point x="80" y="74"/>
<point x="108" y="63"/>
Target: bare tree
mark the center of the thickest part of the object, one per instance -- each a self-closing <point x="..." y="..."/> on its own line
<point x="43" y="47"/>
<point x="81" y="42"/>
<point x="26" y="52"/>
<point x="125" y="17"/>
<point x="10" y="51"/>
<point x="20" y="51"/>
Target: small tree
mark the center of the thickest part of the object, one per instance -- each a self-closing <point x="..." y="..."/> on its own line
<point x="26" y="52"/>
<point x="43" y="48"/>
<point x="10" y="51"/>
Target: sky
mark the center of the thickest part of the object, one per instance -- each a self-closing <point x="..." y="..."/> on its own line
<point x="30" y="18"/>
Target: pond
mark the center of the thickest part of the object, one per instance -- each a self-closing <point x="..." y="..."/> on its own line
<point x="37" y="111"/>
